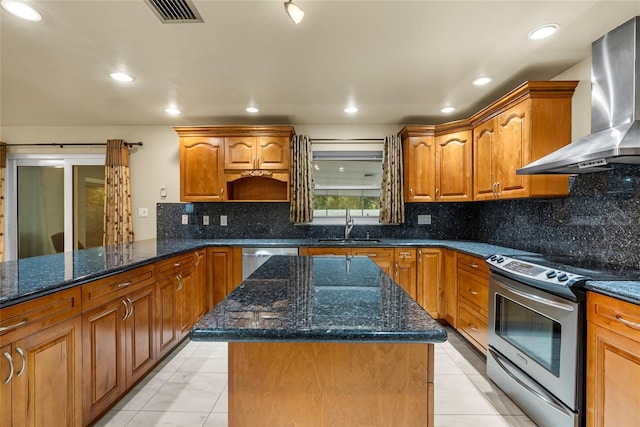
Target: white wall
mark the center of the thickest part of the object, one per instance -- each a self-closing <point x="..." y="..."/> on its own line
<point x="581" y="102"/>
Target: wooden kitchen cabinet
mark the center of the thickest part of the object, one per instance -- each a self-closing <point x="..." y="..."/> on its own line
<point x="40" y="340"/>
<point x="383" y="257"/>
<point x="473" y="299"/>
<point x="118" y="336"/>
<point x="201" y="169"/>
<point x="419" y="161"/>
<point x="449" y="296"/>
<point x="405" y="273"/>
<point x="261" y="152"/>
<point x="454" y="166"/>
<point x="335" y="251"/>
<point x="429" y="280"/>
<point x="613" y="362"/>
<point x="220" y="274"/>
<point x="531" y="121"/>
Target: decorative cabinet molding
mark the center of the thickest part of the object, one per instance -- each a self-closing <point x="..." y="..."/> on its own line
<point x="235" y="163"/>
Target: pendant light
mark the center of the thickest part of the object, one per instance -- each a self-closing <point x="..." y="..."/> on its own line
<point x="295" y="13"/>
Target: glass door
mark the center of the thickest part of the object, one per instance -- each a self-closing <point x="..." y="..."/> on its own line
<point x="54" y="203"/>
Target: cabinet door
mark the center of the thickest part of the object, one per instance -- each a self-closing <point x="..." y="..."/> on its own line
<point x="405" y="270"/>
<point x="383" y="257"/>
<point x="513" y="150"/>
<point x="454" y="167"/>
<point x="185" y="293"/>
<point x="449" y="307"/>
<point x="200" y="291"/>
<point x="273" y="152"/>
<point x="201" y="169"/>
<point x="140" y="334"/>
<point x="484" y="174"/>
<point x="219" y="261"/>
<point x="47" y="384"/>
<point x="240" y="153"/>
<point x="167" y="335"/>
<point x="420" y="169"/>
<point x="429" y="280"/>
<point x="6" y="375"/>
<point x="103" y="361"/>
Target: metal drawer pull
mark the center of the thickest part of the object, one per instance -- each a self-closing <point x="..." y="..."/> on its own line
<point x="472" y="292"/>
<point x="10" y="359"/>
<point x="197" y="258"/>
<point x="125" y="284"/>
<point x="472" y="327"/>
<point x="130" y="308"/>
<point x="474" y="265"/>
<point x="126" y="310"/>
<point x="20" y="323"/>
<point x="20" y="351"/>
<point x="177" y="264"/>
<point x="179" y="277"/>
<point x="632" y="325"/>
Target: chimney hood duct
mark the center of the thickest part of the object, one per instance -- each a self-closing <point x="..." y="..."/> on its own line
<point x="615" y="109"/>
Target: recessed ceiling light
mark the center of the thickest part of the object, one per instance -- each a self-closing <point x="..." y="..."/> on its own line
<point x="482" y="80"/>
<point x="341" y="169"/>
<point x="172" y="111"/>
<point x="252" y="109"/>
<point x="350" y="110"/>
<point x="121" y="77"/>
<point x="544" y="31"/>
<point x="21" y="10"/>
<point x="448" y="109"/>
<point x="293" y="10"/>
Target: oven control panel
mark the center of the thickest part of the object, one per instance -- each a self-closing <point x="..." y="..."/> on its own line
<point x="531" y="271"/>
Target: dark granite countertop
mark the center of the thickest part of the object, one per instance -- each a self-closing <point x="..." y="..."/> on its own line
<point x="33" y="277"/>
<point x="319" y="299"/>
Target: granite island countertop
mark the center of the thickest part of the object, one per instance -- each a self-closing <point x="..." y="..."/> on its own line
<point x="322" y="298"/>
<point x="29" y="278"/>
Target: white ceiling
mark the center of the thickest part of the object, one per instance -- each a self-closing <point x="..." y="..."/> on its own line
<point x="399" y="61"/>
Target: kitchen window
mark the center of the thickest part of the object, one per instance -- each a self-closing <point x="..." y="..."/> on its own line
<point x="346" y="176"/>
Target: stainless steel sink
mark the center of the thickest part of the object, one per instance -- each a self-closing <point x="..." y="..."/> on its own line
<point x="347" y="241"/>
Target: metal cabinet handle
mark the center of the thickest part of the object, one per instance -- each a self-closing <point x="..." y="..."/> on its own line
<point x="472" y="292"/>
<point x="411" y="193"/>
<point x="474" y="265"/>
<point x="498" y="189"/>
<point x="437" y="192"/>
<point x="125" y="284"/>
<point x="472" y="327"/>
<point x="197" y="255"/>
<point x="179" y="277"/>
<point x="126" y="310"/>
<point x="258" y="162"/>
<point x="15" y="325"/>
<point x="632" y="325"/>
<point x="10" y="359"/>
<point x="177" y="264"/>
<point x="20" y="351"/>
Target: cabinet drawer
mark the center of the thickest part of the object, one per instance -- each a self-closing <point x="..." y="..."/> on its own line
<point x="614" y="314"/>
<point x="22" y="319"/>
<point x="473" y="325"/>
<point x="374" y="253"/>
<point x="474" y="290"/>
<point x="473" y="264"/>
<point x="309" y="251"/>
<point x="405" y="254"/>
<point x="176" y="264"/>
<point x="104" y="290"/>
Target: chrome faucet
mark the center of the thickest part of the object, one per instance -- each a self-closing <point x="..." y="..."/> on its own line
<point x="348" y="225"/>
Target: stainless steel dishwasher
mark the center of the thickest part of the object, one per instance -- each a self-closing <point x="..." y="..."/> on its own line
<point x="252" y="258"/>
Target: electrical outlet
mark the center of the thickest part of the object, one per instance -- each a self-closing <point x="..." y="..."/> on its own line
<point x="143" y="212"/>
<point x="185" y="219"/>
<point x="424" y="219"/>
<point x="223" y="220"/>
<point x="205" y="220"/>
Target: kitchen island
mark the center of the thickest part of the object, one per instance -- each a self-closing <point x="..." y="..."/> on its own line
<point x="325" y="341"/>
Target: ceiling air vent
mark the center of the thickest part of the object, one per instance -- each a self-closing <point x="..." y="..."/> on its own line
<point x="175" y="11"/>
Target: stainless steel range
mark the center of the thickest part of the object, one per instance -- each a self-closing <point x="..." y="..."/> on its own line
<point x="537" y="332"/>
<point x="536" y="339"/>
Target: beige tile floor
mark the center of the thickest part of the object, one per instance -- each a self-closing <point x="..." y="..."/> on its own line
<point x="189" y="388"/>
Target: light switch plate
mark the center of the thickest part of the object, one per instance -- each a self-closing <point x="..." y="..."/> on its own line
<point x="223" y="220"/>
<point x="205" y="220"/>
<point x="424" y="219"/>
<point x="185" y="219"/>
<point x="143" y="212"/>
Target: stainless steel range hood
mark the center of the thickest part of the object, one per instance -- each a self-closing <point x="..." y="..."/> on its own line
<point x="615" y="109"/>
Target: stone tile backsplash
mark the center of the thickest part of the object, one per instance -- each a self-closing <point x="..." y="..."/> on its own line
<point x="599" y="220"/>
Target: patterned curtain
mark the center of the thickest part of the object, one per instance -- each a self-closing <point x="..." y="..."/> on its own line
<point x="118" y="225"/>
<point x="3" y="166"/>
<point x="301" y="180"/>
<point x="392" y="196"/>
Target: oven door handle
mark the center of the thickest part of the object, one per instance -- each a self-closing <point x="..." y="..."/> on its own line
<point x="537" y="298"/>
<point x="550" y="400"/>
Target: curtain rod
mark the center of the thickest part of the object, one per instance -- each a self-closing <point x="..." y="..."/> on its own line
<point x="62" y="144"/>
<point x="346" y="139"/>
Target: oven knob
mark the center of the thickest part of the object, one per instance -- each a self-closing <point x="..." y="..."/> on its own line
<point x="563" y="277"/>
<point x="500" y="260"/>
<point x="494" y="257"/>
<point x="551" y="274"/>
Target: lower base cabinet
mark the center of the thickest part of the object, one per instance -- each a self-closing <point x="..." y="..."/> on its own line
<point x="613" y="362"/>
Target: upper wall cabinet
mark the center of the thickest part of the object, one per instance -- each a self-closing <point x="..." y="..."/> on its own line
<point x="234" y="163"/>
<point x="528" y="123"/>
<point x="437" y="163"/>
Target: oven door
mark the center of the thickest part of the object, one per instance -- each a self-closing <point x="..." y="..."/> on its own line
<point x="538" y="333"/>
